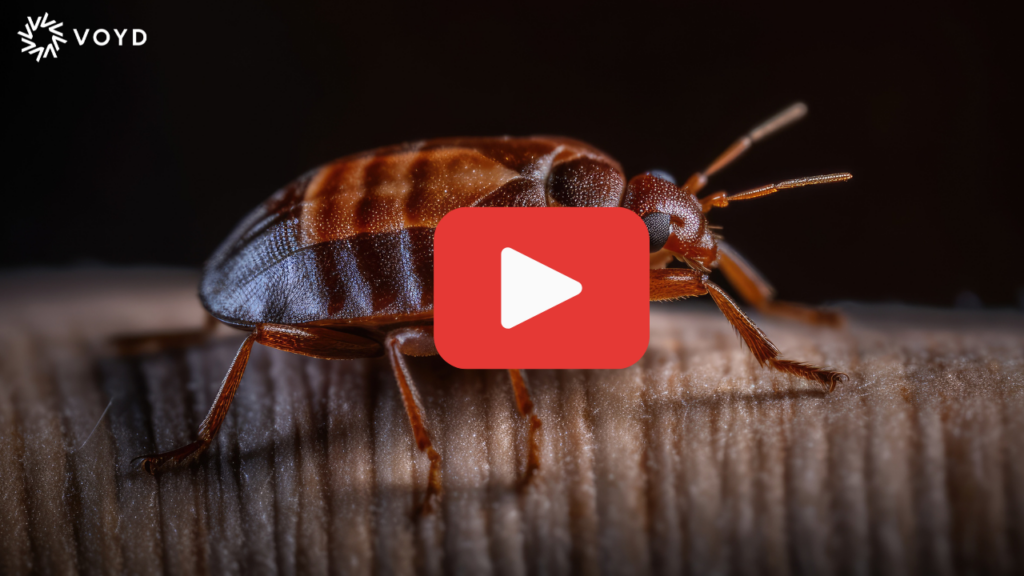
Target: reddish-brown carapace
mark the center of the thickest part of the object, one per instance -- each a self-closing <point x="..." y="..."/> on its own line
<point x="339" y="264"/>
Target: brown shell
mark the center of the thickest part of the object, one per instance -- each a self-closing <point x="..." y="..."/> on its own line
<point x="352" y="242"/>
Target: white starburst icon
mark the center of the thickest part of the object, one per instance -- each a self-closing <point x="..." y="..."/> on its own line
<point x="56" y="37"/>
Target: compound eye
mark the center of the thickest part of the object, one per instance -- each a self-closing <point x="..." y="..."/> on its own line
<point x="663" y="175"/>
<point x="659" y="226"/>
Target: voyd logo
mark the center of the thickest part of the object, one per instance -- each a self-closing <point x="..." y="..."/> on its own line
<point x="43" y="37"/>
<point x="36" y="31"/>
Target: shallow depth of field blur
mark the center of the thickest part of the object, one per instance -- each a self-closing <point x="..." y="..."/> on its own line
<point x="151" y="154"/>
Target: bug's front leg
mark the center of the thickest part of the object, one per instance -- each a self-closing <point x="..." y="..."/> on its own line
<point x="673" y="283"/>
<point x="676" y="283"/>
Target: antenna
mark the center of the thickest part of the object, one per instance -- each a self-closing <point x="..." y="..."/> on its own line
<point x="721" y="200"/>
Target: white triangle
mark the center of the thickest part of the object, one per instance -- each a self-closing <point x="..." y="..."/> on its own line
<point x="529" y="288"/>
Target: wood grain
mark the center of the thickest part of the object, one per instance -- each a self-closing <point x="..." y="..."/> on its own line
<point x="693" y="461"/>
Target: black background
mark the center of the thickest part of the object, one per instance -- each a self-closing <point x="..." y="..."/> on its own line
<point x="151" y="154"/>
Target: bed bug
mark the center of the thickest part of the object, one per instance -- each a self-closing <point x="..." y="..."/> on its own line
<point x="339" y="263"/>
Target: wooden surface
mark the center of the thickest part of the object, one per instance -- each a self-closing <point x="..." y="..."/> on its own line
<point x="693" y="461"/>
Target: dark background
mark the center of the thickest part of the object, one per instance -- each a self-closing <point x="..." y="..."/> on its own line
<point x="150" y="155"/>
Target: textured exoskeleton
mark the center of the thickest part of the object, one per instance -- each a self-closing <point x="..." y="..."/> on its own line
<point x="339" y="263"/>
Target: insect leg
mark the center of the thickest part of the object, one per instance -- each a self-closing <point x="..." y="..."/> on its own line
<point x="777" y="122"/>
<point x="757" y="292"/>
<point x="762" y="348"/>
<point x="415" y="341"/>
<point x="525" y="406"/>
<point x="314" y="341"/>
<point x="208" y="429"/>
<point x="317" y="342"/>
<point x="673" y="283"/>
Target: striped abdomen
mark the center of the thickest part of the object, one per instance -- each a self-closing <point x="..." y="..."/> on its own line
<point x="353" y="241"/>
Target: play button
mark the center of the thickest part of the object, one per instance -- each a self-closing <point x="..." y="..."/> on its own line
<point x="529" y="288"/>
<point x="540" y="287"/>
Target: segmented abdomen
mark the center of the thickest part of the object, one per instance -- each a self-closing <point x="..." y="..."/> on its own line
<point x="354" y="239"/>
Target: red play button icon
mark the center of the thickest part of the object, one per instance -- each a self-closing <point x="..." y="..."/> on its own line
<point x="541" y="288"/>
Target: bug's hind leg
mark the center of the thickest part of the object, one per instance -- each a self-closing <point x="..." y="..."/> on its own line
<point x="208" y="429"/>
<point x="525" y="406"/>
<point x="314" y="341"/>
<point x="757" y="292"/>
<point x="416" y="341"/>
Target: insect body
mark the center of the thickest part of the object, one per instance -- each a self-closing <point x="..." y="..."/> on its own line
<point x="339" y="264"/>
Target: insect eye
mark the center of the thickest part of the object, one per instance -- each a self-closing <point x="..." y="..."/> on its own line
<point x="658" y="229"/>
<point x="663" y="175"/>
